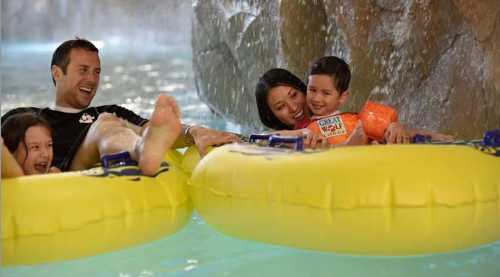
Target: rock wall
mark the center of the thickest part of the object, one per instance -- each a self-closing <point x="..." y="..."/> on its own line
<point x="437" y="62"/>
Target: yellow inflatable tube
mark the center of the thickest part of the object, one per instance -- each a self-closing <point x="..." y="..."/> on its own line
<point x="367" y="200"/>
<point x="190" y="159"/>
<point x="69" y="215"/>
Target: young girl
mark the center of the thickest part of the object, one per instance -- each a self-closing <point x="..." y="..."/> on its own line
<point x="28" y="137"/>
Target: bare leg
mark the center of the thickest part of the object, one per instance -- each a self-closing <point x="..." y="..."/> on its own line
<point x="110" y="134"/>
<point x="101" y="131"/>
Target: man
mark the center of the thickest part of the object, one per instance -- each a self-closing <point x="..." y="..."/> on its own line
<point x="83" y="134"/>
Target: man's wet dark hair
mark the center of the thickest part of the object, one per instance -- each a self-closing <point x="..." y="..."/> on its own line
<point x="14" y="129"/>
<point x="61" y="55"/>
<point x="273" y="78"/>
<point x="334" y="67"/>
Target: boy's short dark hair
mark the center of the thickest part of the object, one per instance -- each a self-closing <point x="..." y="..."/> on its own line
<point x="61" y="55"/>
<point x="334" y="67"/>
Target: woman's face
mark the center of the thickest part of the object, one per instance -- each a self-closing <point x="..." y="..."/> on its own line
<point x="38" y="158"/>
<point x="287" y="104"/>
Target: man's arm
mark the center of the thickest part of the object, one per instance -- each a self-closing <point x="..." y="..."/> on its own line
<point x="191" y="134"/>
<point x="195" y="135"/>
<point x="10" y="167"/>
<point x="203" y="138"/>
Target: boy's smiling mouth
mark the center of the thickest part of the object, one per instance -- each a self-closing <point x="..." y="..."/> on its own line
<point x="316" y="106"/>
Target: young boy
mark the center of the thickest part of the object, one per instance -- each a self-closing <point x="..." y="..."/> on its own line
<point x="327" y="90"/>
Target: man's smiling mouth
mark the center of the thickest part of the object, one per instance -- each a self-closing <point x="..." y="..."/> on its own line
<point x="86" y="89"/>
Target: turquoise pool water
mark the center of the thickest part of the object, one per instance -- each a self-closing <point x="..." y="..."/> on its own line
<point x="133" y="80"/>
<point x="197" y="250"/>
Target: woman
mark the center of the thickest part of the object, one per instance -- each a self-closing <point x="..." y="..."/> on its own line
<point x="28" y="137"/>
<point x="281" y="100"/>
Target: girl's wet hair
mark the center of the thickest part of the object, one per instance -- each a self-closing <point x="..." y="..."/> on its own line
<point x="14" y="129"/>
<point x="271" y="79"/>
<point x="334" y="67"/>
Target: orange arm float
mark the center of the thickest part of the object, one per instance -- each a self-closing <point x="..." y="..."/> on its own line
<point x="376" y="117"/>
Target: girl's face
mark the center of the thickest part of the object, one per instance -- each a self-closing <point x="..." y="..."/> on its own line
<point x="38" y="158"/>
<point x="287" y="104"/>
<point x="322" y="96"/>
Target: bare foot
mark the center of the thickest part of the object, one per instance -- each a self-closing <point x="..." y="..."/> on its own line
<point x="164" y="128"/>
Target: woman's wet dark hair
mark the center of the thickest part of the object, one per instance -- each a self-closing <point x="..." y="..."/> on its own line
<point x="334" y="67"/>
<point x="273" y="78"/>
<point x="14" y="129"/>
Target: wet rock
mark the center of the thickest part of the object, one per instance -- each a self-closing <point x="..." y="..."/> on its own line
<point x="233" y="43"/>
<point x="437" y="62"/>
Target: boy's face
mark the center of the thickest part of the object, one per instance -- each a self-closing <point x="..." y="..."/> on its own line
<point x="322" y="96"/>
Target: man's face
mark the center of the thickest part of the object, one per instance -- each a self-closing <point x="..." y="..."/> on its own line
<point x="78" y="86"/>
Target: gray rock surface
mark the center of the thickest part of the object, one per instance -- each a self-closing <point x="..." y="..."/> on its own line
<point x="437" y="62"/>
